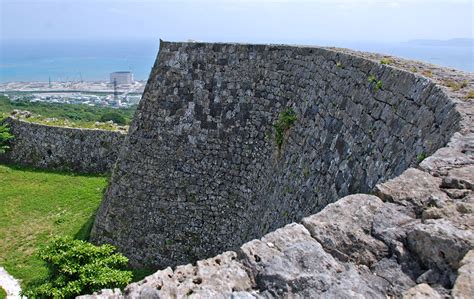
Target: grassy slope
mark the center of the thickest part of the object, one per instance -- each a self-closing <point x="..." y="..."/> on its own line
<point x="35" y="205"/>
<point x="77" y="113"/>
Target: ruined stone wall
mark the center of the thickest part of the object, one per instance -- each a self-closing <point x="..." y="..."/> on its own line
<point x="201" y="171"/>
<point x="65" y="149"/>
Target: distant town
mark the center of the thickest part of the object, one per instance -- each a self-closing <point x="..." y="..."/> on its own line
<point x="120" y="91"/>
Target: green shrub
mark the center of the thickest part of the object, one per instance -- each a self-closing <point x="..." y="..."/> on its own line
<point x="421" y="156"/>
<point x="77" y="267"/>
<point x="5" y="137"/>
<point x="285" y="121"/>
<point x="378" y="83"/>
<point x="3" y="293"/>
<point x="455" y="86"/>
<point x="386" y="60"/>
<point x="113" y="116"/>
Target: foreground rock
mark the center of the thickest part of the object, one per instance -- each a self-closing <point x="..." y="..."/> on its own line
<point x="464" y="286"/>
<point x="358" y="247"/>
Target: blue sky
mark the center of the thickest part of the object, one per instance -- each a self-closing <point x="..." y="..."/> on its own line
<point x="277" y="21"/>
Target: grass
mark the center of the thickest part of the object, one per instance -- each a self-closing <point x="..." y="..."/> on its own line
<point x="67" y="123"/>
<point x="36" y="205"/>
<point x="427" y="73"/>
<point x="455" y="86"/>
<point x="386" y="60"/>
<point x="470" y="95"/>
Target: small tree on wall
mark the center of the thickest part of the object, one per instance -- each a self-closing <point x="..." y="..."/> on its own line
<point x="5" y="137"/>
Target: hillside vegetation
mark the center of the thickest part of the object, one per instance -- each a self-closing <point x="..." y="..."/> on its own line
<point x="77" y="114"/>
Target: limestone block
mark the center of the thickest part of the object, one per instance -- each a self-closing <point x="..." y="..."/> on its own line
<point x="344" y="229"/>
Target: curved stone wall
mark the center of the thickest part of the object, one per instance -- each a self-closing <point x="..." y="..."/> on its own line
<point x="65" y="149"/>
<point x="201" y="171"/>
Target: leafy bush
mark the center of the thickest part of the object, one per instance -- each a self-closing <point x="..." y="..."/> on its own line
<point x="5" y="137"/>
<point x="78" y="267"/>
<point x="286" y="119"/>
<point x="113" y="116"/>
<point x="3" y="293"/>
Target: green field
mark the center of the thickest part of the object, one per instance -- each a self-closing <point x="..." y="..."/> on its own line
<point x="36" y="205"/>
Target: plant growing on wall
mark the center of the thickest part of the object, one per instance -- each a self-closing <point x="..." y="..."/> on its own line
<point x="78" y="267"/>
<point x="378" y="83"/>
<point x="285" y="121"/>
<point x="5" y="137"/>
<point x="421" y="156"/>
<point x="386" y="60"/>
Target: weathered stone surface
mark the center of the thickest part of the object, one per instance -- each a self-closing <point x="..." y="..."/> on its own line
<point x="66" y="149"/>
<point x="414" y="188"/>
<point x="349" y="238"/>
<point x="458" y="153"/>
<point x="398" y="279"/>
<point x="439" y="244"/>
<point x="460" y="178"/>
<point x="464" y="285"/>
<point x="391" y="223"/>
<point x="211" y="278"/>
<point x="202" y="165"/>
<point x="289" y="260"/>
<point x="290" y="263"/>
<point x="104" y="294"/>
<point x="421" y="291"/>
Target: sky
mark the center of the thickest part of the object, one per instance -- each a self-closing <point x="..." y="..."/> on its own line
<point x="275" y="21"/>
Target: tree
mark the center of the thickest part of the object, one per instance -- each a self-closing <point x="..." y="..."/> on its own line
<point x="77" y="267"/>
<point x="5" y="137"/>
<point x="113" y="116"/>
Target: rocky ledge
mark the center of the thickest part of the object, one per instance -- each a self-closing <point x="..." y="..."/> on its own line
<point x="412" y="238"/>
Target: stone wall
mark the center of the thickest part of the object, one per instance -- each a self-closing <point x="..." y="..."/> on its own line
<point x="65" y="149"/>
<point x="201" y="171"/>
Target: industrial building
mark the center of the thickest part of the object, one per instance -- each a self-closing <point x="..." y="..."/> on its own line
<point x="121" y="77"/>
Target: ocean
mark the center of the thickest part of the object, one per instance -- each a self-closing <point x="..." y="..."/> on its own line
<point x="94" y="60"/>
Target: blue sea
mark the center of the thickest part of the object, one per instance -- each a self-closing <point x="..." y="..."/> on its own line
<point x="95" y="60"/>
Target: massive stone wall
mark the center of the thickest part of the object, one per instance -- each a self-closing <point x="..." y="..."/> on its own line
<point x="201" y="171"/>
<point x="60" y="148"/>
